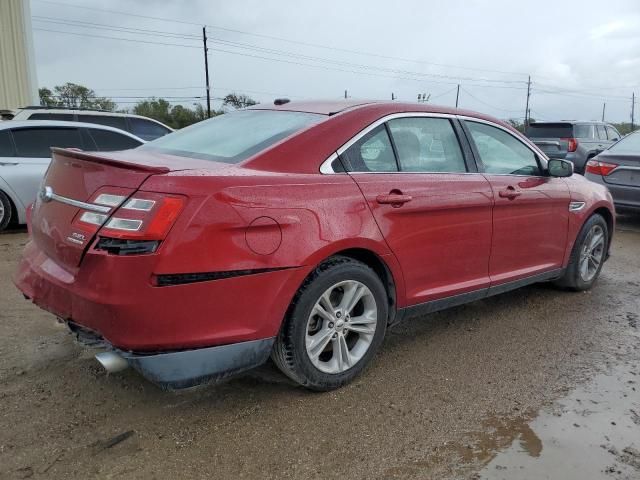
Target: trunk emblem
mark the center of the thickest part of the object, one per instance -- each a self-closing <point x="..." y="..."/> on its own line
<point x="46" y="194"/>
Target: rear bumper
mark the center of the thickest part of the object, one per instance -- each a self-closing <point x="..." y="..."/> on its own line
<point x="116" y="298"/>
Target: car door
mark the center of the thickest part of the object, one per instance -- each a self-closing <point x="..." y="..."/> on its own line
<point x="433" y="209"/>
<point x="531" y="209"/>
<point x="33" y="154"/>
<point x="603" y="141"/>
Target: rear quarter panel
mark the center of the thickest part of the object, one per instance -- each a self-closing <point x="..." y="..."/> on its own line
<point x="259" y="220"/>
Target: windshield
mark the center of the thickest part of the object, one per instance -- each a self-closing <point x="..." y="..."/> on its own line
<point x="629" y="144"/>
<point x="233" y="137"/>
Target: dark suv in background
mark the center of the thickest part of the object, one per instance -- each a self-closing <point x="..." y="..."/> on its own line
<point x="572" y="140"/>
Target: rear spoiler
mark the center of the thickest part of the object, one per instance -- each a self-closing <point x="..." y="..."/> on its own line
<point x="97" y="157"/>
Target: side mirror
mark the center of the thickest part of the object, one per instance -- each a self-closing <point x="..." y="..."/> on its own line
<point x="560" y="168"/>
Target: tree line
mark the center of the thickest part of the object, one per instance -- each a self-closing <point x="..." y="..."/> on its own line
<point x="72" y="95"/>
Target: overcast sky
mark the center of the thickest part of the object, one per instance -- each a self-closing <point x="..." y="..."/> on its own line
<point x="579" y="54"/>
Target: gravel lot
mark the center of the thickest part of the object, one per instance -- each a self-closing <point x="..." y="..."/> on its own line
<point x="493" y="389"/>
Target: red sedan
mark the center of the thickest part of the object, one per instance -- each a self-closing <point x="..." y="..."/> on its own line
<point x="300" y="231"/>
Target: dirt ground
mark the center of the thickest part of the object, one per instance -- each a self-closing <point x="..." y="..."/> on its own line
<point x="536" y="383"/>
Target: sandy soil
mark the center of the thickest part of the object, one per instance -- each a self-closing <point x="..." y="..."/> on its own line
<point x="466" y="393"/>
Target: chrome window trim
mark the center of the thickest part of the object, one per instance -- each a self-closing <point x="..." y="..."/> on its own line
<point x="327" y="169"/>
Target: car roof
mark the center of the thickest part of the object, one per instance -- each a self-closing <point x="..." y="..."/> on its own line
<point x="332" y="107"/>
<point x="82" y="111"/>
<point x="11" y="124"/>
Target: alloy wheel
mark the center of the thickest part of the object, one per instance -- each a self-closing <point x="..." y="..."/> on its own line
<point x="341" y="326"/>
<point x="592" y="253"/>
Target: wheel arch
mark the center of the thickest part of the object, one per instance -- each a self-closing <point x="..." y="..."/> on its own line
<point x="380" y="267"/>
<point x="15" y="215"/>
<point x="608" y="217"/>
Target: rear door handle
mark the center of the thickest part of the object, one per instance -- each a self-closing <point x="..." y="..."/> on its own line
<point x="509" y="192"/>
<point x="393" y="199"/>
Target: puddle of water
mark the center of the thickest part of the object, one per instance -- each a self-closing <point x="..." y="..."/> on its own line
<point x="594" y="433"/>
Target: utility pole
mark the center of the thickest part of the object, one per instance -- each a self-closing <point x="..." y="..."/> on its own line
<point x="633" y="109"/>
<point x="457" y="95"/>
<point x="604" y="106"/>
<point x="393" y="96"/>
<point x="526" y="110"/>
<point x="345" y="94"/>
<point x="206" y="70"/>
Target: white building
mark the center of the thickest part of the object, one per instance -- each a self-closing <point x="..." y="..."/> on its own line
<point x="18" y="80"/>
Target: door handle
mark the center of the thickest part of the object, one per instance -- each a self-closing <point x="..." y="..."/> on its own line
<point x="509" y="192"/>
<point x="393" y="199"/>
<point x="8" y="164"/>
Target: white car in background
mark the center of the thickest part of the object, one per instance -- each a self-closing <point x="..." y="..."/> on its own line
<point x="25" y="153"/>
<point x="143" y="127"/>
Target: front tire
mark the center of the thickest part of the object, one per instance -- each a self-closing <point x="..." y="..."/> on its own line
<point x="587" y="256"/>
<point x="334" y="325"/>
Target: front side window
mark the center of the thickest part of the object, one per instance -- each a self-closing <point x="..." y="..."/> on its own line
<point x="146" y="129"/>
<point x="502" y="153"/>
<point x="108" y="141"/>
<point x="612" y="134"/>
<point x="371" y="153"/>
<point x="37" y="142"/>
<point x="233" y="137"/>
<point x="426" y="145"/>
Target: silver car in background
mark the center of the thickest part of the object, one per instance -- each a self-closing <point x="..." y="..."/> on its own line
<point x="25" y="153"/>
<point x="619" y="169"/>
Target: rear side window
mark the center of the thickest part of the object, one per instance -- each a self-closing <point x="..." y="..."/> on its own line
<point x="550" y="130"/>
<point x="108" y="120"/>
<point x="68" y="117"/>
<point x="6" y="145"/>
<point x="502" y="153"/>
<point x="372" y="153"/>
<point x="146" y="129"/>
<point x="37" y="142"/>
<point x="233" y="137"/>
<point x="583" y="131"/>
<point x="426" y="145"/>
<point x="602" y="133"/>
<point x="107" y="141"/>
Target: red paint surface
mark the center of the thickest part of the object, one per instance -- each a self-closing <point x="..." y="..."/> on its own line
<point x="455" y="235"/>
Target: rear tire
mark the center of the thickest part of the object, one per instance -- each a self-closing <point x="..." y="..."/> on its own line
<point x="334" y="326"/>
<point x="5" y="211"/>
<point x="587" y="256"/>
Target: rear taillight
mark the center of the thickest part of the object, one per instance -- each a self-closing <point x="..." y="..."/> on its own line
<point x="600" y="168"/>
<point x="143" y="216"/>
<point x="572" y="144"/>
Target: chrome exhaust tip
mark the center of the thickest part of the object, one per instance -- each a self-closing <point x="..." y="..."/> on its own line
<point x="112" y="362"/>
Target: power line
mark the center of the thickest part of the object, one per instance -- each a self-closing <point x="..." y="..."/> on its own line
<point x="325" y="67"/>
<point x="485" y="103"/>
<point x="272" y="51"/>
<point x="282" y="39"/>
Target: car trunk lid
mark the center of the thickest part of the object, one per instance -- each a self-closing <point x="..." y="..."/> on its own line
<point x="628" y="171"/>
<point x="69" y="188"/>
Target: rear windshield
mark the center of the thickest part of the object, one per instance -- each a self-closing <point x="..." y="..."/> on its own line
<point x="550" y="130"/>
<point x="233" y="137"/>
<point x="629" y="144"/>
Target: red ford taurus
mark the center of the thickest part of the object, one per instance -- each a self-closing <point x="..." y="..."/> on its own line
<point x="300" y="231"/>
